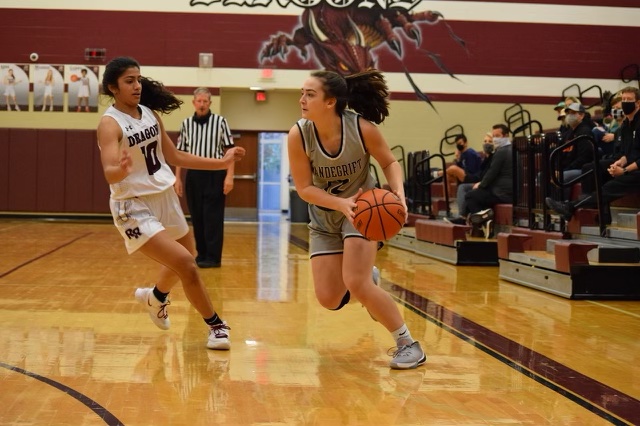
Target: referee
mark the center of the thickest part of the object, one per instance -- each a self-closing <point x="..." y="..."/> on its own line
<point x="207" y="135"/>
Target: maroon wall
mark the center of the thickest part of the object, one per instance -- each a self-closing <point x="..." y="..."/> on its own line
<point x="55" y="171"/>
<point x="175" y="39"/>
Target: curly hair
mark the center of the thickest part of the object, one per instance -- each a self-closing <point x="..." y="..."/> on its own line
<point x="154" y="94"/>
<point x="365" y="92"/>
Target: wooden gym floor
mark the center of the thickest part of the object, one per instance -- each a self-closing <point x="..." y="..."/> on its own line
<point x="76" y="348"/>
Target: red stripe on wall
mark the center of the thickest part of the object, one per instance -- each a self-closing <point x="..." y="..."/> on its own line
<point x="545" y="50"/>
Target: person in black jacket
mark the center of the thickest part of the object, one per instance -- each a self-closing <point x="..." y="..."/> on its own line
<point x="496" y="185"/>
<point x="575" y="156"/>
<point x="615" y="140"/>
<point x="625" y="171"/>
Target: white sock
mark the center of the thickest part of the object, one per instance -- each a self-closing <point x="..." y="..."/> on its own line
<point x="402" y="336"/>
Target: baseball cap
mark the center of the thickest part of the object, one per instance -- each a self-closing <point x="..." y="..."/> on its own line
<point x="560" y="105"/>
<point x="575" y="107"/>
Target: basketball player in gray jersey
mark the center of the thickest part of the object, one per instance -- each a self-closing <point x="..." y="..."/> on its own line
<point x="329" y="150"/>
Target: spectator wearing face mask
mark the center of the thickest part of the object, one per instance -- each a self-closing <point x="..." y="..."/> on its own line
<point x="624" y="172"/>
<point x="604" y="132"/>
<point x="574" y="157"/>
<point x="559" y="108"/>
<point x="614" y="141"/>
<point x="495" y="187"/>
<point x="466" y="167"/>
<point x="463" y="188"/>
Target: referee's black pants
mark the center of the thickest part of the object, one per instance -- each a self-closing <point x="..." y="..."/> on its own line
<point x="205" y="198"/>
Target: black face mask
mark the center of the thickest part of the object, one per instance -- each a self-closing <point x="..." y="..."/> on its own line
<point x="460" y="147"/>
<point x="628" y="107"/>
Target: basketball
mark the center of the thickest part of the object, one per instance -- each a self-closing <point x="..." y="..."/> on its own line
<point x="379" y="214"/>
<point x="74" y="77"/>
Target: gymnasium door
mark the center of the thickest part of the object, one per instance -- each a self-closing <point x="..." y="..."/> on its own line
<point x="242" y="201"/>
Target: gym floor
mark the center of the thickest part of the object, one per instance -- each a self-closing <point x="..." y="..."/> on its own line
<point x="77" y="349"/>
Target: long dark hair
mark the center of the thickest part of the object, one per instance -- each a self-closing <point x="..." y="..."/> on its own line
<point x="365" y="92"/>
<point x="154" y="95"/>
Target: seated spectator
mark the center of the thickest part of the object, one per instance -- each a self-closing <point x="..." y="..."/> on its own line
<point x="604" y="132"/>
<point x="495" y="187"/>
<point x="574" y="157"/>
<point x="615" y="141"/>
<point x="624" y="172"/>
<point x="466" y="166"/>
<point x="463" y="188"/>
<point x="559" y="108"/>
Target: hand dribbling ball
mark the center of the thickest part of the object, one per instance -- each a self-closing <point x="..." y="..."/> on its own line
<point x="380" y="214"/>
<point x="74" y="78"/>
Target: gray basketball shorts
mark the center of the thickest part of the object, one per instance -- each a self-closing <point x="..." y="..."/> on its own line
<point x="138" y="219"/>
<point x="327" y="231"/>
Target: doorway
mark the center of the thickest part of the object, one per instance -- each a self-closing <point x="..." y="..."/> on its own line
<point x="261" y="188"/>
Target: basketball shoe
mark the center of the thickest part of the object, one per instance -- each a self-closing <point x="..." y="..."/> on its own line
<point x="407" y="357"/>
<point x="157" y="310"/>
<point x="219" y="337"/>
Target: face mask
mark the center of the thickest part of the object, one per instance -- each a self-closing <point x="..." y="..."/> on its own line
<point x="460" y="147"/>
<point x="487" y="148"/>
<point x="572" y="119"/>
<point x="617" y="113"/>
<point x="628" y="107"/>
<point x="499" y="142"/>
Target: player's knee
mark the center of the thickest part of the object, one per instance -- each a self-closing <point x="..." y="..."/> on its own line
<point x="344" y="301"/>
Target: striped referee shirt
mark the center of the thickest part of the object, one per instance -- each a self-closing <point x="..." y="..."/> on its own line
<point x="206" y="136"/>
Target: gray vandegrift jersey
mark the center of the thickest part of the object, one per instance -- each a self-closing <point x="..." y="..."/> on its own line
<point x="150" y="172"/>
<point x="344" y="173"/>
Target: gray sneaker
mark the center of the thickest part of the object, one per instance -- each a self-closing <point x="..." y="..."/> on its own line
<point x="157" y="310"/>
<point x="407" y="357"/>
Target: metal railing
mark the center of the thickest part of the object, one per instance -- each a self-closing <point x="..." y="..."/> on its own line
<point x="553" y="160"/>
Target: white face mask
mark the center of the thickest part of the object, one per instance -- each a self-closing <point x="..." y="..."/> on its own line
<point x="499" y="142"/>
<point x="572" y="119"/>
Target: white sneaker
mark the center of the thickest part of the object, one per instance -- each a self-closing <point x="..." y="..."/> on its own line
<point x="219" y="337"/>
<point x="157" y="309"/>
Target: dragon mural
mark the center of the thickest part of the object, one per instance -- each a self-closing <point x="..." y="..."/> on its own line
<point x="343" y="39"/>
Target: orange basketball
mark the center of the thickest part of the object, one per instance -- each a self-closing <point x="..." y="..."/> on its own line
<point x="74" y="77"/>
<point x="379" y="214"/>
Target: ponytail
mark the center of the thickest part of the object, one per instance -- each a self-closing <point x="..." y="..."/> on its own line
<point x="368" y="95"/>
<point x="365" y="92"/>
<point x="157" y="97"/>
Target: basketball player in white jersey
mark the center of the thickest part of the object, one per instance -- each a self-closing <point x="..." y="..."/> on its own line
<point x="329" y="151"/>
<point x="134" y="150"/>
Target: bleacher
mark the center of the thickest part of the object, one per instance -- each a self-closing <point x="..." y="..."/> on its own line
<point x="534" y="247"/>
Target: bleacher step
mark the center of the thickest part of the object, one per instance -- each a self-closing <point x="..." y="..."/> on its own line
<point x="626" y="220"/>
<point x="604" y="253"/>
